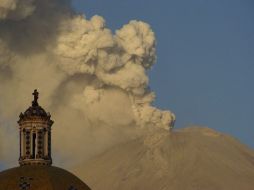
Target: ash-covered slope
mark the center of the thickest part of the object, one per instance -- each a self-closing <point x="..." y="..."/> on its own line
<point x="189" y="159"/>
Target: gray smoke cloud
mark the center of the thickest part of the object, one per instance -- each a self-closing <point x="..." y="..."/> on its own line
<point x="16" y="9"/>
<point x="93" y="81"/>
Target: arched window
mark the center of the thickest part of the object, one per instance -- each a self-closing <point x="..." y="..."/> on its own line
<point x="34" y="146"/>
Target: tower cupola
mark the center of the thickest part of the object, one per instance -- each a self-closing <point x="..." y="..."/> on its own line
<point x="35" y="135"/>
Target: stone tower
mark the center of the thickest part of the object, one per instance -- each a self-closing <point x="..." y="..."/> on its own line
<point x="36" y="170"/>
<point x="35" y="135"/>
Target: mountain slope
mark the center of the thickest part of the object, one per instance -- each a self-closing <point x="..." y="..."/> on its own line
<point x="189" y="159"/>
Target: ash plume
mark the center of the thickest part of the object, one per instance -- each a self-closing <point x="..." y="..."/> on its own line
<point x="93" y="81"/>
<point x="16" y="9"/>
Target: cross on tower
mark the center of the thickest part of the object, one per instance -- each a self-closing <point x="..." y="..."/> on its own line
<point x="36" y="97"/>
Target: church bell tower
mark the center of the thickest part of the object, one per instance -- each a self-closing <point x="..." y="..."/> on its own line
<point x="35" y="135"/>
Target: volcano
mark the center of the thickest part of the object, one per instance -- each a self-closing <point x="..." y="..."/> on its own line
<point x="194" y="158"/>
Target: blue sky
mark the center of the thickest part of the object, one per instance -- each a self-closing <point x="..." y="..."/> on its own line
<point x="205" y="67"/>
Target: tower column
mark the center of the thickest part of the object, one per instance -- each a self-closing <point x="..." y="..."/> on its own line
<point x="31" y="144"/>
<point x="40" y="144"/>
<point x="37" y="144"/>
<point x="20" y="143"/>
<point x="46" y="143"/>
<point x="49" y="143"/>
<point x="23" y="144"/>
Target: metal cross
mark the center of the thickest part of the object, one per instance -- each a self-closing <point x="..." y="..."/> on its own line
<point x="36" y="97"/>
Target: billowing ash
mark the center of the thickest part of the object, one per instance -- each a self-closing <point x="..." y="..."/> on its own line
<point x="16" y="9"/>
<point x="93" y="81"/>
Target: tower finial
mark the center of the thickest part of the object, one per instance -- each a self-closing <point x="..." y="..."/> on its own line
<point x="36" y="97"/>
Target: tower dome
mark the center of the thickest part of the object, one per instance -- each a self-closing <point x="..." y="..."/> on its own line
<point x="35" y="171"/>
